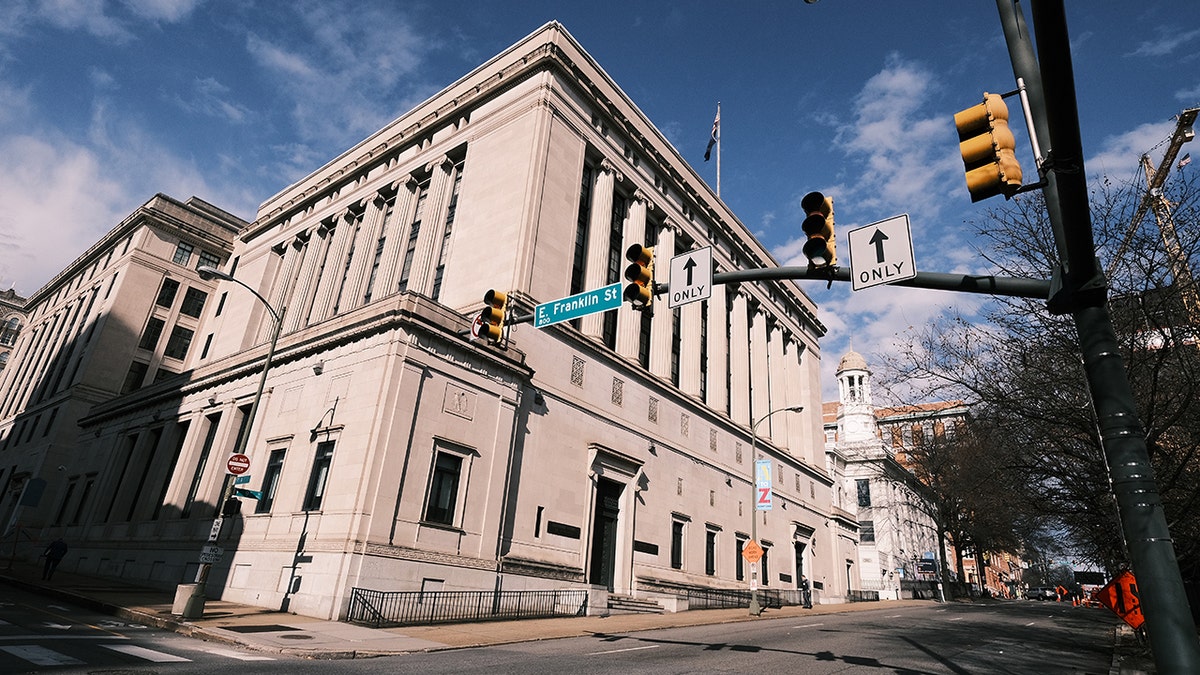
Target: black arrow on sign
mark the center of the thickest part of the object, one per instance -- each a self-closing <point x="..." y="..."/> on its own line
<point x="878" y="238"/>
<point x="688" y="267"/>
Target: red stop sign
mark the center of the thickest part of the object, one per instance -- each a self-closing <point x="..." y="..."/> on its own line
<point x="238" y="464"/>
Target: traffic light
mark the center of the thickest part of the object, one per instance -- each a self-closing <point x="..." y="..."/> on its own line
<point x="491" y="319"/>
<point x="640" y="273"/>
<point x="821" y="247"/>
<point x="988" y="149"/>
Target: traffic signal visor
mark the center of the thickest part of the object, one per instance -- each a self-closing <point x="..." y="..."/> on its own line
<point x="988" y="149"/>
<point x="640" y="274"/>
<point x="821" y="247"/>
<point x="491" y="319"/>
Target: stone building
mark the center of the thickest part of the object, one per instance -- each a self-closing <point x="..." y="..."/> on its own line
<point x="390" y="451"/>
<point x="865" y="446"/>
<point x="121" y="317"/>
<point x="12" y="317"/>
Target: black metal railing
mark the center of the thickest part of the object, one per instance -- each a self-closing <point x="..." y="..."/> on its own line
<point x="863" y="596"/>
<point x="381" y="609"/>
<point x="722" y="598"/>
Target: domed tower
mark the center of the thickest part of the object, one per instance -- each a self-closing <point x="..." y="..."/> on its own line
<point x="856" y="414"/>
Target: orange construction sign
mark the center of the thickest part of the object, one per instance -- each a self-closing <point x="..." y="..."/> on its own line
<point x="752" y="552"/>
<point x="1121" y="596"/>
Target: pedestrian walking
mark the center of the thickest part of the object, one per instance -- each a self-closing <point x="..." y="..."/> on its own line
<point x="806" y="592"/>
<point x="53" y="554"/>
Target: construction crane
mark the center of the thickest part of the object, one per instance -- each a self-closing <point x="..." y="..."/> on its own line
<point x="1154" y="199"/>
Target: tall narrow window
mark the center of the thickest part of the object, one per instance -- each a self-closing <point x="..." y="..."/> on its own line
<point x="135" y="376"/>
<point x="130" y="444"/>
<point x="62" y="508"/>
<point x="271" y="481"/>
<point x="443" y="489"/>
<point x="677" y="544"/>
<point x="766" y="575"/>
<point x="616" y="259"/>
<point x="88" y="483"/>
<point x="447" y="231"/>
<point x="180" y="436"/>
<point x="579" y="259"/>
<point x="210" y="437"/>
<point x="863" y="486"/>
<point x="414" y="231"/>
<point x="710" y="552"/>
<point x="315" y="495"/>
<point x="739" y="564"/>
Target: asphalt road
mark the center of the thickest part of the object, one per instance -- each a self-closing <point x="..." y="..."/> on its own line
<point x="38" y="635"/>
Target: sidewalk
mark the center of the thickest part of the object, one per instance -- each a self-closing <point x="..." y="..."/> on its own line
<point x="266" y="630"/>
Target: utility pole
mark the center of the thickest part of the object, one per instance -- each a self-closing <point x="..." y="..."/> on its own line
<point x="1084" y="294"/>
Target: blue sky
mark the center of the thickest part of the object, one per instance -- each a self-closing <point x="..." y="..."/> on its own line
<point x="107" y="102"/>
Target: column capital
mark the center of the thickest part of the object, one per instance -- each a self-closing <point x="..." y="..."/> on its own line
<point x="640" y="195"/>
<point x="608" y="167"/>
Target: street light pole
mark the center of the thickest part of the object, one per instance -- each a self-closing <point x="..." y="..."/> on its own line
<point x="756" y="608"/>
<point x="194" y="606"/>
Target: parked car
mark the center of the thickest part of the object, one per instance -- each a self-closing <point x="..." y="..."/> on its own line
<point x="1042" y="593"/>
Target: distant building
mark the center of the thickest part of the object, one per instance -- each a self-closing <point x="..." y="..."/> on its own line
<point x="121" y="317"/>
<point x="12" y="315"/>
<point x="392" y="452"/>
<point x="897" y="536"/>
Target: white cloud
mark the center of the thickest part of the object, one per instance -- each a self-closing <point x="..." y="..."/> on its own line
<point x="1119" y="156"/>
<point x="171" y="11"/>
<point x="1169" y="40"/>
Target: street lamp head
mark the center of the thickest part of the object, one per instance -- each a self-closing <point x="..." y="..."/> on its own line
<point x="208" y="273"/>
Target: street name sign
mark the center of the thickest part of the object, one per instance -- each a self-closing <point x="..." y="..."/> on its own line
<point x="691" y="277"/>
<point x="881" y="253"/>
<point x="575" y="306"/>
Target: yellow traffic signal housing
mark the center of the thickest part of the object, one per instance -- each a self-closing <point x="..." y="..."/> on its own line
<point x="988" y="149"/>
<point x="491" y="319"/>
<point x="640" y="273"/>
<point x="821" y="247"/>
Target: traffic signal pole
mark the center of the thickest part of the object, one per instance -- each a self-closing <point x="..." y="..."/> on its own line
<point x="1051" y="89"/>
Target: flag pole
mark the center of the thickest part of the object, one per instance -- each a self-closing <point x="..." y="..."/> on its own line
<point x="714" y="138"/>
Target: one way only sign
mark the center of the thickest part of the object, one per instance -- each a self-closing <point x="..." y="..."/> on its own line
<point x="691" y="277"/>
<point x="881" y="253"/>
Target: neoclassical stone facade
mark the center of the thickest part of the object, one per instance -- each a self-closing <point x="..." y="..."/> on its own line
<point x="393" y="452"/>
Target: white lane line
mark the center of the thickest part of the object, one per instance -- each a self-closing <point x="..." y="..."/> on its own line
<point x="40" y="656"/>
<point x="43" y="638"/>
<point x="147" y="654"/>
<point x="809" y="625"/>
<point x="629" y="649"/>
<point x="957" y="618"/>
<point x="1031" y="623"/>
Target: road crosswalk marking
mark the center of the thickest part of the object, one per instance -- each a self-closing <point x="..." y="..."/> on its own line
<point x="40" y="656"/>
<point x="147" y="654"/>
<point x="240" y="656"/>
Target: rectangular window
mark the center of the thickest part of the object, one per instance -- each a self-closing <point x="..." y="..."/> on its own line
<point x="443" y="489"/>
<point x="739" y="564"/>
<point x="207" y="345"/>
<point x="166" y="294"/>
<point x="193" y="302"/>
<point x="183" y="253"/>
<point x="320" y="474"/>
<point x="154" y="328"/>
<point x="271" y="481"/>
<point x="616" y="263"/>
<point x="208" y="260"/>
<point x="135" y="377"/>
<point x="178" y="343"/>
<point x="864" y="492"/>
<point x="766" y="576"/>
<point x="677" y="544"/>
<point x="866" y="531"/>
<point x="180" y="436"/>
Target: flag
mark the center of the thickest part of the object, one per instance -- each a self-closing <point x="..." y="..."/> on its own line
<point x="1187" y="159"/>
<point x="716" y="131"/>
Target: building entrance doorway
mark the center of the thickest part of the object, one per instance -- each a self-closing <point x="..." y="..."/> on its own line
<point x="604" y="533"/>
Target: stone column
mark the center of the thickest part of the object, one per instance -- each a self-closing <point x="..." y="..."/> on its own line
<point x="314" y="250"/>
<point x="433" y="226"/>
<point x="335" y="265"/>
<point x="599" y="229"/>
<point x="629" y="323"/>
<point x="760" y="393"/>
<point x="396" y="228"/>
<point x="661" y="335"/>
<point x="690" y="348"/>
<point x="796" y="394"/>
<point x="777" y="383"/>
<point x="739" y="360"/>
<point x="718" y="348"/>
